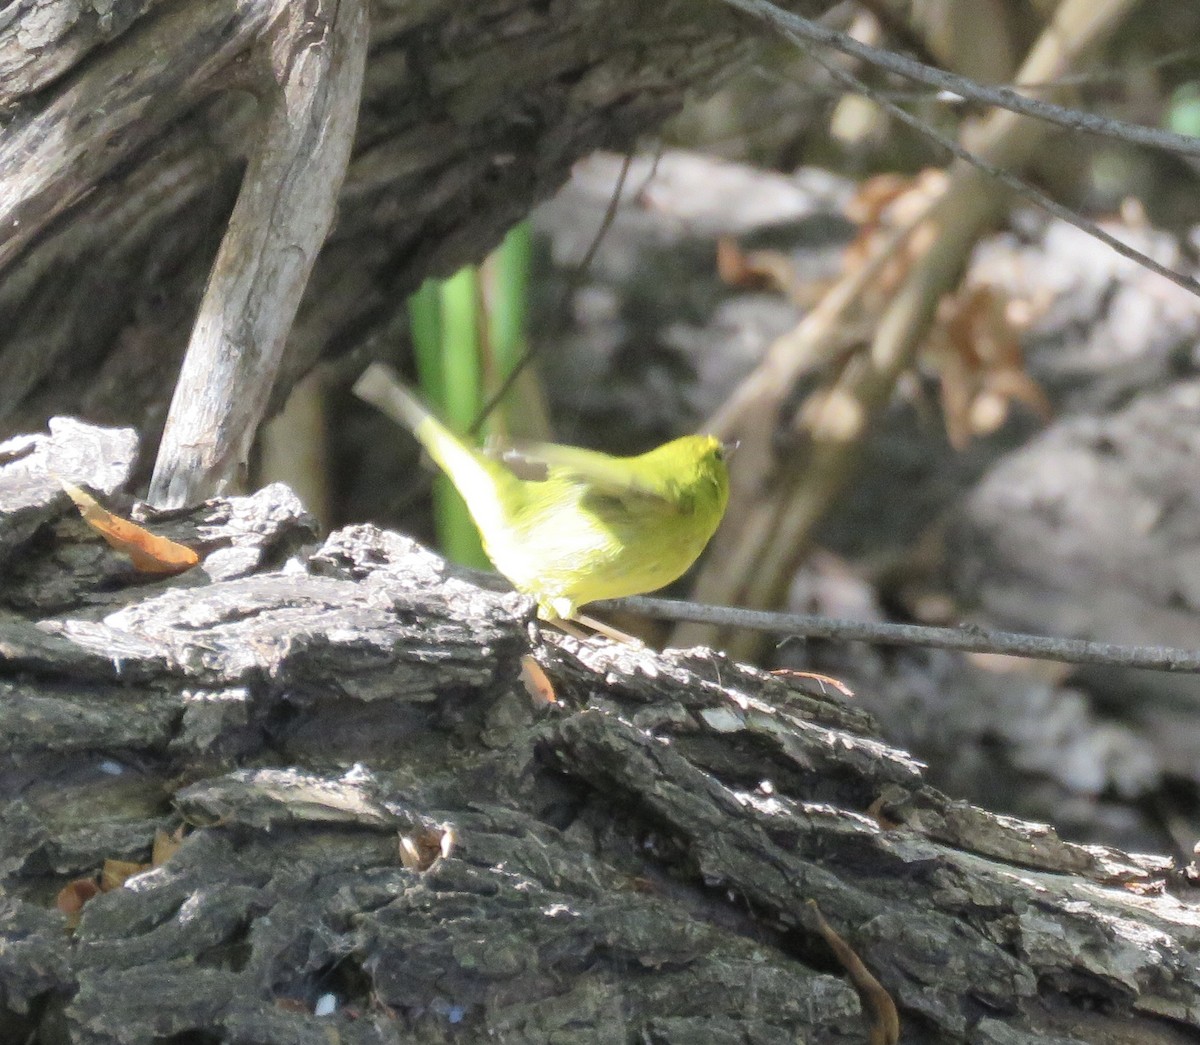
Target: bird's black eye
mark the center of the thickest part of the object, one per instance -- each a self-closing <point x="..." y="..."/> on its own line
<point x="719" y="453"/>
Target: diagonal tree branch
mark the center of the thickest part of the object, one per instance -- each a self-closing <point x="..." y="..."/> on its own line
<point x="1003" y="97"/>
<point x="314" y="58"/>
<point x="1012" y="181"/>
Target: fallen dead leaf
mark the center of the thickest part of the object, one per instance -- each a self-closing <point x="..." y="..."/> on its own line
<point x="537" y="682"/>
<point x="72" y="896"/>
<point x="165" y="845"/>
<point x="977" y="349"/>
<point x="881" y="204"/>
<point x="148" y="552"/>
<point x="114" y="873"/>
<point x="876" y="812"/>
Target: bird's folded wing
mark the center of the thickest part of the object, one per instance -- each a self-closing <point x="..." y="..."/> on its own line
<point x="604" y="475"/>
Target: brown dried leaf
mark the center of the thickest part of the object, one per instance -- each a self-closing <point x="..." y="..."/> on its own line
<point x="115" y="873"/>
<point x="876" y="812"/>
<point x="977" y="347"/>
<point x="148" y="552"/>
<point x="72" y="896"/>
<point x="537" y="682"/>
<point x="165" y="845"/>
<point x="755" y="269"/>
<point x="881" y="204"/>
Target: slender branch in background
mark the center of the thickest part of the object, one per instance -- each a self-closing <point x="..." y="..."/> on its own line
<point x="1111" y="75"/>
<point x="1018" y="184"/>
<point x="967" y="639"/>
<point x="574" y="279"/>
<point x="1004" y="97"/>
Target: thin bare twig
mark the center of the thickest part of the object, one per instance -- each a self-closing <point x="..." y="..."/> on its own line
<point x="794" y="25"/>
<point x="574" y="279"/>
<point x="967" y="639"/>
<point x="879" y="1005"/>
<point x="1110" y="75"/>
<point x="1018" y="184"/>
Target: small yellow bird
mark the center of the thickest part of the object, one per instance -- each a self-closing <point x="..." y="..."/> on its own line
<point x="590" y="526"/>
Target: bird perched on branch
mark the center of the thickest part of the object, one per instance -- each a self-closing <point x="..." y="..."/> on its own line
<point x="586" y="525"/>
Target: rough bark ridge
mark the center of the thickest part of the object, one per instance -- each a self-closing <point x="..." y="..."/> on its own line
<point x="124" y="138"/>
<point x="631" y="863"/>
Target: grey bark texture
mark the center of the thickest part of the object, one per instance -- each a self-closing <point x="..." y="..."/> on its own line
<point x="630" y="863"/>
<point x="126" y="128"/>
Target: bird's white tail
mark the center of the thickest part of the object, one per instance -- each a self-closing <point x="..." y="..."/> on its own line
<point x="381" y="386"/>
<point x="479" y="480"/>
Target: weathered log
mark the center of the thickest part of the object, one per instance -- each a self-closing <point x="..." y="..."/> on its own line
<point x="383" y="815"/>
<point x="125" y="136"/>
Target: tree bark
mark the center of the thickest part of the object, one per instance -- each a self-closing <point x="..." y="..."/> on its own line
<point x="385" y="818"/>
<point x="126" y="134"/>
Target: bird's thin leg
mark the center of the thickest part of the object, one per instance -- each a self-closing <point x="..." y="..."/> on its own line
<point x="607" y="631"/>
<point x="565" y="625"/>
